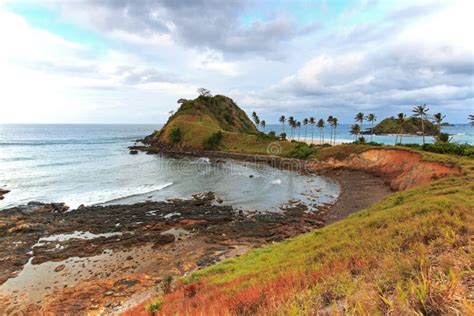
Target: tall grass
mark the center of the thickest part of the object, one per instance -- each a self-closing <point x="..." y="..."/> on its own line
<point x="409" y="254"/>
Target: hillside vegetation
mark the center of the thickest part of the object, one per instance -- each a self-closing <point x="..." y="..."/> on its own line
<point x="412" y="125"/>
<point x="410" y="253"/>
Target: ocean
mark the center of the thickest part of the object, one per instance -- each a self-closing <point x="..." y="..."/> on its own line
<point x="91" y="164"/>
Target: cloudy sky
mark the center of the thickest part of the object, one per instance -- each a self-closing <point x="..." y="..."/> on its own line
<point x="125" y="61"/>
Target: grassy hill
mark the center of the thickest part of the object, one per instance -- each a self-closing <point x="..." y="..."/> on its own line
<point x="410" y="253"/>
<point x="412" y="125"/>
<point x="215" y="123"/>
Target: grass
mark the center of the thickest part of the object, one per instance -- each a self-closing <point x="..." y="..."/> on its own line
<point x="407" y="254"/>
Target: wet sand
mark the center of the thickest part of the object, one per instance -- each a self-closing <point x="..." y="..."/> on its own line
<point x="103" y="259"/>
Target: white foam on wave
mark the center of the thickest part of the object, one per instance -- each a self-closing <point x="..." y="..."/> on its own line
<point x="104" y="196"/>
<point x="277" y="181"/>
<point x="75" y="235"/>
<point x="202" y="160"/>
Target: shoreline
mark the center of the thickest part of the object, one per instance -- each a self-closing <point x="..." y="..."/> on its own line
<point x="213" y="239"/>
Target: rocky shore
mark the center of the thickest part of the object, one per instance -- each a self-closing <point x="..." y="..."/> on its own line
<point x="101" y="258"/>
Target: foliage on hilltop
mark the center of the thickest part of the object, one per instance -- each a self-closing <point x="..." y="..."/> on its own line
<point x="411" y="125"/>
<point x="198" y="119"/>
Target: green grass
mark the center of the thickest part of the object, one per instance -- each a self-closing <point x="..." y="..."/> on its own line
<point x="409" y="253"/>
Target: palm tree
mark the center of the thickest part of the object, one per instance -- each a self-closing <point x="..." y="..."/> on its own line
<point x="400" y="121"/>
<point x="298" y="124"/>
<point x="355" y="130"/>
<point x="312" y="121"/>
<point x="282" y="121"/>
<point x="329" y="120"/>
<point x="291" y="122"/>
<point x="471" y="119"/>
<point x="438" y="119"/>
<point x="305" y="123"/>
<point x="321" y="130"/>
<point x="371" y="118"/>
<point x="263" y="124"/>
<point x="255" y="119"/>
<point x="334" y="123"/>
<point x="421" y="111"/>
<point x="359" y="118"/>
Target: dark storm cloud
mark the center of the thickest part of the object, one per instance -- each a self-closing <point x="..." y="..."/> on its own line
<point x="197" y="23"/>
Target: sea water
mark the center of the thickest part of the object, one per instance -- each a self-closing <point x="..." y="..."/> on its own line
<point x="91" y="164"/>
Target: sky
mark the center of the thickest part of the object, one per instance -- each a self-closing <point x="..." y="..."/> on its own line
<point x="125" y="61"/>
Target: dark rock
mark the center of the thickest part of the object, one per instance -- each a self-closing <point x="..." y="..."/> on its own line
<point x="251" y="176"/>
<point x="164" y="239"/>
<point x="59" y="268"/>
<point x="3" y="192"/>
<point x="125" y="282"/>
<point x="133" y="152"/>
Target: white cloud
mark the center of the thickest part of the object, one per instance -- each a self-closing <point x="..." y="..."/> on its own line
<point x="214" y="62"/>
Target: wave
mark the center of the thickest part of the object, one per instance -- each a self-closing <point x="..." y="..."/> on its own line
<point x="109" y="140"/>
<point x="107" y="196"/>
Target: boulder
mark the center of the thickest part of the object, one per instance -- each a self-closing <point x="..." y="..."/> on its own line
<point x="3" y="192"/>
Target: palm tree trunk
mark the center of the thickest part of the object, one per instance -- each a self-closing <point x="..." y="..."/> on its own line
<point x="335" y="130"/>
<point x="312" y="133"/>
<point x="423" y="129"/>
<point x="372" y="131"/>
<point x="305" y="131"/>
<point x="323" y="136"/>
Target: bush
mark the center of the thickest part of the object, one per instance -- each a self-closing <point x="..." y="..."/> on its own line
<point x="270" y="136"/>
<point x="443" y="138"/>
<point x="450" y="148"/>
<point x="213" y="140"/>
<point x="176" y="135"/>
<point x="283" y="136"/>
<point x="302" y="151"/>
<point x="155" y="307"/>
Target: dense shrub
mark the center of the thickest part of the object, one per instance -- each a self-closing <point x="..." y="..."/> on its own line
<point x="176" y="135"/>
<point x="359" y="142"/>
<point x="446" y="148"/>
<point x="283" y="136"/>
<point x="450" y="148"/>
<point x="270" y="136"/>
<point x="213" y="140"/>
<point x="302" y="151"/>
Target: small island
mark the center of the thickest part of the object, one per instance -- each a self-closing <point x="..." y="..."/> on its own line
<point x="410" y="126"/>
